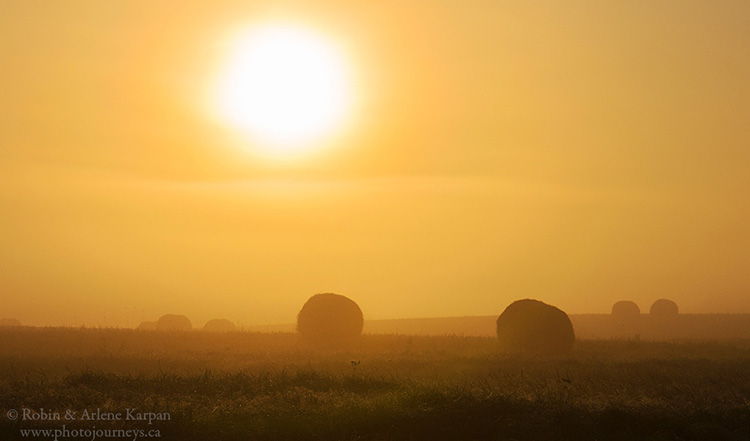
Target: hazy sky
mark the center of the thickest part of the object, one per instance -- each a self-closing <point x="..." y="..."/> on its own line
<point x="578" y="152"/>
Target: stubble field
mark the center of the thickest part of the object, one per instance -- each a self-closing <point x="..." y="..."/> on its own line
<point x="255" y="386"/>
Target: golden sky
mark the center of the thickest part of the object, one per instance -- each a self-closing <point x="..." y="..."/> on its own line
<point x="577" y="152"/>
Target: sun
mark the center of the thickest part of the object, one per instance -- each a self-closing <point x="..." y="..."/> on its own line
<point x="286" y="87"/>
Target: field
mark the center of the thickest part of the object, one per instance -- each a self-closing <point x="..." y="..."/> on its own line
<point x="269" y="386"/>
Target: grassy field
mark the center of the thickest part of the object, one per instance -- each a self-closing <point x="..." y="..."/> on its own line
<point x="251" y="386"/>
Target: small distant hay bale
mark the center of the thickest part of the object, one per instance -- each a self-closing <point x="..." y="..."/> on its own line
<point x="219" y="325"/>
<point x="9" y="323"/>
<point x="173" y="322"/>
<point x="535" y="328"/>
<point x="625" y="309"/>
<point x="664" y="308"/>
<point x="330" y="318"/>
<point x="147" y="326"/>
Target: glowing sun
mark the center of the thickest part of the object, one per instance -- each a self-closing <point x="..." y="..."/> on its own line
<point x="286" y="86"/>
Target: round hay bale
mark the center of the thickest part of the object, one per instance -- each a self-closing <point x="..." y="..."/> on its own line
<point x="536" y="328"/>
<point x="664" y="308"/>
<point x="10" y="322"/>
<point x="329" y="317"/>
<point x="625" y="309"/>
<point x="147" y="326"/>
<point x="219" y="325"/>
<point x="172" y="322"/>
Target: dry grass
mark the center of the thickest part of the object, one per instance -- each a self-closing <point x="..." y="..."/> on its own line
<point x="244" y="386"/>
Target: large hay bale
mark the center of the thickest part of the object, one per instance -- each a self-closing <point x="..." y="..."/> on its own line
<point x="329" y="318"/>
<point x="172" y="322"/>
<point x="9" y="322"/>
<point x="626" y="321"/>
<point x="625" y="309"/>
<point x="147" y="326"/>
<point x="536" y="328"/>
<point x="219" y="325"/>
<point x="664" y="308"/>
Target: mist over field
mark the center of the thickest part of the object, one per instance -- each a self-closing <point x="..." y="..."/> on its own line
<point x="391" y="220"/>
<point x="578" y="153"/>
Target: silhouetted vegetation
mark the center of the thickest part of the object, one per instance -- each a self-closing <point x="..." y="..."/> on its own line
<point x="9" y="322"/>
<point x="226" y="387"/>
<point x="536" y="328"/>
